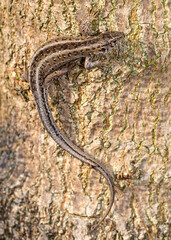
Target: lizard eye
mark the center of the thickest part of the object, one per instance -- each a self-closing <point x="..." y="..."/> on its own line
<point x="113" y="43"/>
<point x="103" y="49"/>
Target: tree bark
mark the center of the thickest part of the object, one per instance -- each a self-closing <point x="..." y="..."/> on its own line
<point x="119" y="114"/>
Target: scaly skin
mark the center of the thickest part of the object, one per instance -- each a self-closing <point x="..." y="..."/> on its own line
<point x="53" y="59"/>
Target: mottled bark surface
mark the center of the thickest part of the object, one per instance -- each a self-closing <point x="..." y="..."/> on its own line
<point x="119" y="114"/>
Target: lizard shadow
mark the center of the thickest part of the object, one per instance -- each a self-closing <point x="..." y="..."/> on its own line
<point x="59" y="92"/>
<point x="64" y="105"/>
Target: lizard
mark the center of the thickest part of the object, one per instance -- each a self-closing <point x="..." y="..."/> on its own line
<point x="55" y="58"/>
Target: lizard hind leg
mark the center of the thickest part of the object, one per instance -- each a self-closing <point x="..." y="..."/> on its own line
<point x="60" y="71"/>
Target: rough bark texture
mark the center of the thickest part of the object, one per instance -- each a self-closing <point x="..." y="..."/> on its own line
<point x="119" y="114"/>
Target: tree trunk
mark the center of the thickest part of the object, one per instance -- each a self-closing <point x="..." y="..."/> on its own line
<point x="119" y="114"/>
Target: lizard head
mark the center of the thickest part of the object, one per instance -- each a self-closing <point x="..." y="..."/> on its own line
<point x="109" y="40"/>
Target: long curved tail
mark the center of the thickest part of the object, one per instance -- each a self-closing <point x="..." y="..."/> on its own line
<point x="112" y="196"/>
